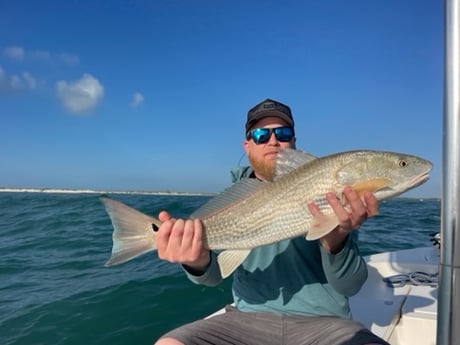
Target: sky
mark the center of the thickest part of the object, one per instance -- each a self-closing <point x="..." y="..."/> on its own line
<point x="153" y="95"/>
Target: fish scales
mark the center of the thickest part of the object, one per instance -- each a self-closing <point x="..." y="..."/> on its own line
<point x="276" y="212"/>
<point x="253" y="213"/>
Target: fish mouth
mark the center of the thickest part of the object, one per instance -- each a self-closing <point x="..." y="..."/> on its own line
<point x="404" y="187"/>
<point x="417" y="181"/>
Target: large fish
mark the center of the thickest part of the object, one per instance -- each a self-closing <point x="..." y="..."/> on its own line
<point x="252" y="213"/>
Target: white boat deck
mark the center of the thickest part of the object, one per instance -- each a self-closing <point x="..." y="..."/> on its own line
<point x="401" y="315"/>
<point x="404" y="315"/>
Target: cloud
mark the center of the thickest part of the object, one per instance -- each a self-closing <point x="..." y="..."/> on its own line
<point x="39" y="55"/>
<point x="14" y="53"/>
<point x="29" y="81"/>
<point x="17" y="82"/>
<point x="69" y="59"/>
<point x="82" y="95"/>
<point x="138" y="98"/>
<point x="17" y="53"/>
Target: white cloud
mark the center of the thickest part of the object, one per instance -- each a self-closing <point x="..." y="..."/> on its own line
<point x="82" y="95"/>
<point x="17" y="82"/>
<point x="19" y="54"/>
<point x="138" y="98"/>
<point x="14" y="52"/>
<point x="30" y="81"/>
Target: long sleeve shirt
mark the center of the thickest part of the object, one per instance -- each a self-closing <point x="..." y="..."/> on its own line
<point x="294" y="276"/>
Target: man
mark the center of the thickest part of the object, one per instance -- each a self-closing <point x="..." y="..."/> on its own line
<point x="291" y="292"/>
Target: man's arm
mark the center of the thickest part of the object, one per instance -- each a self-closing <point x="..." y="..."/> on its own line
<point x="209" y="276"/>
<point x="345" y="269"/>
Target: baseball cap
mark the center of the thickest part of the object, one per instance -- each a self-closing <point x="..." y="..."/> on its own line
<point x="269" y="108"/>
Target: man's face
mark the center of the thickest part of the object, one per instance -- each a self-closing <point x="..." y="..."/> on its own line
<point x="262" y="157"/>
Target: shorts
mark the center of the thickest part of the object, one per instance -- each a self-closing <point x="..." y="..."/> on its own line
<point x="237" y="328"/>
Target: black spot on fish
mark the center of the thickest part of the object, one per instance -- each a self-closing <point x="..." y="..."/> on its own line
<point x="154" y="227"/>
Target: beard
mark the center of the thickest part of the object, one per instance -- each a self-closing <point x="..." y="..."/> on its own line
<point x="263" y="169"/>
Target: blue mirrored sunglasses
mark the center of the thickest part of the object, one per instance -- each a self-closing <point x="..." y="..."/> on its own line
<point x="262" y="135"/>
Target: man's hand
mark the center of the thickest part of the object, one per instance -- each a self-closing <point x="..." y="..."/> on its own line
<point x="351" y="220"/>
<point x="181" y="241"/>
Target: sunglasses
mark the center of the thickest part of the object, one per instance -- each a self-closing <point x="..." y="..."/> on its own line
<point x="262" y="135"/>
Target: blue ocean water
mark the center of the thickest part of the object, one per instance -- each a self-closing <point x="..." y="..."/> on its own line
<point x="54" y="288"/>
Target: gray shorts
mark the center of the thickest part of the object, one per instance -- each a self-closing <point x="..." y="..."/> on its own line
<point x="235" y="328"/>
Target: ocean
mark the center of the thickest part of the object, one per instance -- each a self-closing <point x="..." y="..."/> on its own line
<point x="54" y="288"/>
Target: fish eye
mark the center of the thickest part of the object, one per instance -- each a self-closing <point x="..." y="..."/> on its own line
<point x="402" y="163"/>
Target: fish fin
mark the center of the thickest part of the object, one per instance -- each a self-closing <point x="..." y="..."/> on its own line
<point x="229" y="260"/>
<point x="228" y="197"/>
<point x="321" y="226"/>
<point x="288" y="160"/>
<point x="370" y="185"/>
<point x="133" y="232"/>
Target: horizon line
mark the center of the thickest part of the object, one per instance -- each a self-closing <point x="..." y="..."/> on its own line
<point x="96" y="191"/>
<point x="138" y="192"/>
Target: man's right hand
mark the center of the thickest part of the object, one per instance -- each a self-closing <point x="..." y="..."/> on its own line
<point x="181" y="241"/>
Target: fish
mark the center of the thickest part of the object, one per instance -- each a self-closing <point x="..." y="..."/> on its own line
<point x="253" y="213"/>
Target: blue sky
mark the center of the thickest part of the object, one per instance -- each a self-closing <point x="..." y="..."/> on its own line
<point x="153" y="95"/>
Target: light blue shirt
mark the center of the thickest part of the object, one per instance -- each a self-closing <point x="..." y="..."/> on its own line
<point x="294" y="276"/>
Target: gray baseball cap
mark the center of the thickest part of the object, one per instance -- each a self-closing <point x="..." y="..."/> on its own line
<point x="269" y="108"/>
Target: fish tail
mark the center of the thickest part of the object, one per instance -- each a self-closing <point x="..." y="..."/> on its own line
<point x="134" y="233"/>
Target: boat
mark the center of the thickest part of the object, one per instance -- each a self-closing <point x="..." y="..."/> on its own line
<point x="413" y="296"/>
<point x="398" y="301"/>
